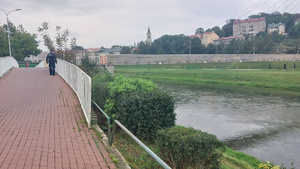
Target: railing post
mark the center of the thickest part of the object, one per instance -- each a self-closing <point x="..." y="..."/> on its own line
<point x="151" y="153"/>
<point x="110" y="133"/>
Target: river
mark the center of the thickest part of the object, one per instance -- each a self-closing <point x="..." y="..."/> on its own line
<point x="264" y="126"/>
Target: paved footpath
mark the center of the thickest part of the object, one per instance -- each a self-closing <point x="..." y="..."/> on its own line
<point x="42" y="124"/>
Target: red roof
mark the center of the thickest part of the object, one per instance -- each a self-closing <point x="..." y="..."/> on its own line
<point x="92" y="48"/>
<point x="249" y="20"/>
<point x="199" y="35"/>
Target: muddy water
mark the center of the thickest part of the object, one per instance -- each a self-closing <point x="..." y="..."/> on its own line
<point x="264" y="126"/>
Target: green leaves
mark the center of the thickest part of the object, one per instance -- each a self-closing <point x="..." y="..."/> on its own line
<point x="143" y="112"/>
<point x="189" y="148"/>
<point x="122" y="85"/>
<point x="23" y="44"/>
<point x="136" y="103"/>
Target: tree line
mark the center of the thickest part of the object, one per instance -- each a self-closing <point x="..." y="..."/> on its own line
<point x="63" y="45"/>
<point x="261" y="43"/>
<point x="23" y="44"/>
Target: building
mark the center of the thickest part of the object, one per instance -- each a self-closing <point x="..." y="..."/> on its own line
<point x="249" y="27"/>
<point x="40" y="57"/>
<point x="227" y="40"/>
<point x="80" y="54"/>
<point x="209" y="37"/>
<point x="206" y="38"/>
<point x="297" y="21"/>
<point x="99" y="59"/>
<point x="280" y="28"/>
<point x="149" y="38"/>
<point x="32" y="58"/>
<point x="92" y="51"/>
<point x="107" y="51"/>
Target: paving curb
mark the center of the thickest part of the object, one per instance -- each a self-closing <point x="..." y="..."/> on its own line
<point x="112" y="149"/>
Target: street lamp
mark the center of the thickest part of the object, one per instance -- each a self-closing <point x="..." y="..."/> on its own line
<point x="8" y="32"/>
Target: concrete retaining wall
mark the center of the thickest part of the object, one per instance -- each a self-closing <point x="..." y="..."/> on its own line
<point x="132" y="59"/>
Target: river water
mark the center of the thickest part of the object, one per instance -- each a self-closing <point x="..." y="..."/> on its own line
<point x="264" y="126"/>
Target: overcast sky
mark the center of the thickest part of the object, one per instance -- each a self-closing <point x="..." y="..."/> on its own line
<point x="97" y="23"/>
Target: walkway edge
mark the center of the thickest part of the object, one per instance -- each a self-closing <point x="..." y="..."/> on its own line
<point x="112" y="149"/>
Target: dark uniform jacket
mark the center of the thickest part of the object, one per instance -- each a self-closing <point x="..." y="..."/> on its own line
<point x="51" y="58"/>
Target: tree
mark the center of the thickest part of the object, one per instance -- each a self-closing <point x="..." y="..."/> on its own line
<point x="125" y="50"/>
<point x="295" y="31"/>
<point x="210" y="49"/>
<point x="44" y="32"/>
<point x="208" y="30"/>
<point x="23" y="44"/>
<point x="3" y="42"/>
<point x="199" y="30"/>
<point x="289" y="22"/>
<point x="218" y="31"/>
<point x="144" y="48"/>
<point x="196" y="46"/>
<point x="170" y="44"/>
<point x="78" y="48"/>
<point x="61" y="39"/>
<point x="228" y="28"/>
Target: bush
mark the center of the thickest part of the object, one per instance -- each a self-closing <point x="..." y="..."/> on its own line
<point x="189" y="148"/>
<point x="140" y="106"/>
<point x="270" y="165"/>
<point x="100" y="90"/>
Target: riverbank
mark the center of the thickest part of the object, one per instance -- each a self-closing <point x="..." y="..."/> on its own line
<point x="138" y="157"/>
<point x="268" y="81"/>
<point x="262" y="81"/>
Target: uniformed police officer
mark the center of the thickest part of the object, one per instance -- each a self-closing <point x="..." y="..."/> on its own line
<point x="51" y="60"/>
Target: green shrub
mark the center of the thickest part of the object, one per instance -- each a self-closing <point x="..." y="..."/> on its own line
<point x="189" y="148"/>
<point x="122" y="85"/>
<point x="140" y="106"/>
<point x="100" y="90"/>
<point x="271" y="165"/>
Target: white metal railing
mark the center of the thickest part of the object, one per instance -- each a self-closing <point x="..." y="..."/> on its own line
<point x="41" y="64"/>
<point x="80" y="83"/>
<point x="7" y="63"/>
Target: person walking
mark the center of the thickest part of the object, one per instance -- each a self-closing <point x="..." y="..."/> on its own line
<point x="51" y="60"/>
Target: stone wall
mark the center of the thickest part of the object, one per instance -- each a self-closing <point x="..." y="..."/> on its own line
<point x="132" y="59"/>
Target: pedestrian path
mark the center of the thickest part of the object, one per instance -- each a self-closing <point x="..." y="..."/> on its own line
<point x="42" y="124"/>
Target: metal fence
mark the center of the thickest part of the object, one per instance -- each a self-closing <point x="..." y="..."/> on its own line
<point x="42" y="64"/>
<point x="111" y="136"/>
<point x="80" y="83"/>
<point x="7" y="63"/>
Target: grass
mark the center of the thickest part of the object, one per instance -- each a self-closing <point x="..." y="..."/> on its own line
<point x="30" y="64"/>
<point x="235" y="159"/>
<point x="273" y="81"/>
<point x="137" y="157"/>
<point x="246" y="76"/>
<point x="134" y="154"/>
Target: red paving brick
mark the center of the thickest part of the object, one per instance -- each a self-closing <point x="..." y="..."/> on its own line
<point x="41" y="124"/>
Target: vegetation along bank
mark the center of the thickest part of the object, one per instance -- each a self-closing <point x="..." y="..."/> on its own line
<point x="266" y="77"/>
<point x="128" y="99"/>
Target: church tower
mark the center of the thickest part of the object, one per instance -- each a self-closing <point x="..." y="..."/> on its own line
<point x="149" y="38"/>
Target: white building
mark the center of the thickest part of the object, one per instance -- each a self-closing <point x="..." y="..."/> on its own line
<point x="280" y="28"/>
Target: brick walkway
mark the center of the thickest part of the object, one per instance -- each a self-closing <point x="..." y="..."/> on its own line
<point x="42" y="124"/>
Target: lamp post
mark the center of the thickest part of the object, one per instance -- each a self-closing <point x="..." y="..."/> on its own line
<point x="8" y="32"/>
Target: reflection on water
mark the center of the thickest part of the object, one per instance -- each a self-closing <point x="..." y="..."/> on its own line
<point x="267" y="127"/>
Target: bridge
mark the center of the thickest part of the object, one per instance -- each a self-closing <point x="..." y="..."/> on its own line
<point x="45" y="120"/>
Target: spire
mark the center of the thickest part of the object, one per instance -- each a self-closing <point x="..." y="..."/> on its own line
<point x="148" y="39"/>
